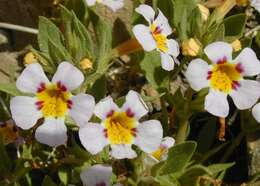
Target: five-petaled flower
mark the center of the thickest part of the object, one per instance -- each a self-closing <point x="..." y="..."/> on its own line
<point x="97" y="175"/>
<point x="112" y="4"/>
<point x="121" y="129"/>
<point x="225" y="77"/>
<point x="155" y="36"/>
<point x="52" y="101"/>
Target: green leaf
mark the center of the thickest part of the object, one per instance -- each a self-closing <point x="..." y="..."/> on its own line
<point x="10" y="88"/>
<point x="191" y="176"/>
<point x="58" y="53"/>
<point x="216" y="168"/>
<point x="178" y="158"/>
<point x="99" y="88"/>
<point x="47" y="181"/>
<point x="63" y="175"/>
<point x="234" y="26"/>
<point x="5" y="162"/>
<point x="151" y="65"/>
<point x="48" y="31"/>
<point x="79" y="7"/>
<point x="167" y="180"/>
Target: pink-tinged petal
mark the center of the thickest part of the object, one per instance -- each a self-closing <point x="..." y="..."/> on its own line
<point x="24" y="111"/>
<point x="52" y="132"/>
<point x="68" y="75"/>
<point x="122" y="151"/>
<point x="96" y="175"/>
<point x="92" y="137"/>
<point x="105" y="108"/>
<point x="144" y="37"/>
<point x="219" y="52"/>
<point x="248" y="63"/>
<point x="246" y="94"/>
<point x="114" y="5"/>
<point x="31" y="79"/>
<point x="167" y="142"/>
<point x="82" y="108"/>
<point x="197" y="73"/>
<point x="163" y="23"/>
<point x="149" y="136"/>
<point x="167" y="61"/>
<point x="216" y="103"/>
<point x="256" y="112"/>
<point x="147" y="12"/>
<point x="134" y="105"/>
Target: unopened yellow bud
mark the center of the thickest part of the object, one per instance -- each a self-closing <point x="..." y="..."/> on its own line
<point x="86" y="64"/>
<point x="236" y="45"/>
<point x="242" y="2"/>
<point x="190" y="47"/>
<point x="204" y="11"/>
<point x="29" y="58"/>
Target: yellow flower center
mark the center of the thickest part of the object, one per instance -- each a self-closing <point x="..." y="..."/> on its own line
<point x="159" y="152"/>
<point x="224" y="76"/>
<point x="160" y="39"/>
<point x="120" y="128"/>
<point x="53" y="100"/>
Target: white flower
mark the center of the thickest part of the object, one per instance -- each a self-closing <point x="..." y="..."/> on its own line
<point x="112" y="4"/>
<point x="255" y="4"/>
<point x="97" y="175"/>
<point x="256" y="112"/>
<point x="162" y="152"/>
<point x="155" y="36"/>
<point x="52" y="101"/>
<point x="121" y="129"/>
<point x="225" y="77"/>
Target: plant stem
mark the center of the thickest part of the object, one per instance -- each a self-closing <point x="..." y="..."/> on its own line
<point x="182" y="132"/>
<point x="18" y="28"/>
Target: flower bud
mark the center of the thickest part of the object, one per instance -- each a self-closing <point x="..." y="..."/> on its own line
<point x="236" y="45"/>
<point x="190" y="47"/>
<point x="29" y="58"/>
<point x="86" y="64"/>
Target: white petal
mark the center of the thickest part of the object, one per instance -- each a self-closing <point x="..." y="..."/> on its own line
<point x="146" y="11"/>
<point x="173" y="47"/>
<point x="256" y="112"/>
<point x="105" y="107"/>
<point x="149" y="135"/>
<point x="255" y="4"/>
<point x="92" y="137"/>
<point x="91" y="2"/>
<point x="246" y="95"/>
<point x="122" y="151"/>
<point x="52" y="132"/>
<point x="250" y="65"/>
<point x="216" y="103"/>
<point x="113" y="4"/>
<point x="24" y="111"/>
<point x="82" y="108"/>
<point x="31" y="78"/>
<point x="197" y="73"/>
<point x="163" y="23"/>
<point x="167" y="142"/>
<point x="96" y="175"/>
<point x="219" y="51"/>
<point x="135" y="104"/>
<point x="68" y="75"/>
<point x="167" y="61"/>
<point x="144" y="37"/>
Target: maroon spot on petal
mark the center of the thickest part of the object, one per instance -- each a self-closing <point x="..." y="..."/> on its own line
<point x="222" y="61"/>
<point x="105" y="133"/>
<point x="130" y="113"/>
<point x="101" y="184"/>
<point x="41" y="87"/>
<point x="235" y="85"/>
<point x="134" y="131"/>
<point x="61" y="86"/>
<point x="239" y="68"/>
<point x="157" y="30"/>
<point x="209" y="75"/>
<point x="39" y="104"/>
<point x="69" y="104"/>
<point x="110" y="113"/>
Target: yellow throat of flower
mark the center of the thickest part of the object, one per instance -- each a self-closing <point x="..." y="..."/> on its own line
<point x="224" y="76"/>
<point x="53" y="100"/>
<point x="159" y="152"/>
<point x="120" y="128"/>
<point x="160" y="39"/>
